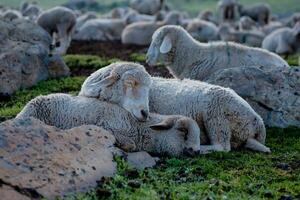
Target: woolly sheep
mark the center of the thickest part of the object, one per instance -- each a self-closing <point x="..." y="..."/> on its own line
<point x="250" y="38"/>
<point x="30" y="11"/>
<point x="140" y="33"/>
<point x="11" y="15"/>
<point x="187" y="58"/>
<point x="228" y="10"/>
<point x="83" y="19"/>
<point x="271" y="27"/>
<point x="101" y="30"/>
<point x="283" y="41"/>
<point x="171" y="135"/>
<point x="203" y="31"/>
<point x="134" y="16"/>
<point x="246" y="23"/>
<point x="60" y="23"/>
<point x="148" y="7"/>
<point x="207" y="15"/>
<point x="226" y="120"/>
<point x="259" y="12"/>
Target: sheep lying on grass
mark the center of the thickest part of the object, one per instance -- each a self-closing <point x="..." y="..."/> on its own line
<point x="171" y="135"/>
<point x="187" y="58"/>
<point x="60" y="23"/>
<point x="226" y="120"/>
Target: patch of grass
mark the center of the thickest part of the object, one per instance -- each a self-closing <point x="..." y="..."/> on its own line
<point x="293" y="60"/>
<point x="87" y="61"/>
<point x="9" y="109"/>
<point x="138" y="57"/>
<point x="234" y="175"/>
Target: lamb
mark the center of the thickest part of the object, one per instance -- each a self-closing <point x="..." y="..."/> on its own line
<point x="140" y="33"/>
<point x="60" y="23"/>
<point x="170" y="135"/>
<point x="283" y="41"/>
<point x="203" y="31"/>
<point x="225" y="119"/>
<point x="187" y="58"/>
<point x="250" y="38"/>
<point x="101" y="30"/>
<point x="148" y="7"/>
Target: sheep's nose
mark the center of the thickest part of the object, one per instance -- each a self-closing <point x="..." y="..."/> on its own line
<point x="189" y="152"/>
<point x="145" y="114"/>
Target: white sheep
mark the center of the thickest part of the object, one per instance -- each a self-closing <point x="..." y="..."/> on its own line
<point x="149" y="7"/>
<point x="11" y="15"/>
<point x="60" y="23"/>
<point x="284" y="40"/>
<point x="171" y="135"/>
<point x="101" y="30"/>
<point x="187" y="58"/>
<point x="225" y="119"/>
<point x="140" y="33"/>
<point x="203" y="31"/>
<point x="83" y="19"/>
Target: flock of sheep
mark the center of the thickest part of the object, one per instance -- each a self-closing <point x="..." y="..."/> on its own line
<point x="167" y="116"/>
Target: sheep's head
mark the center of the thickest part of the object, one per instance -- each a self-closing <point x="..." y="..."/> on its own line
<point x="163" y="44"/>
<point x="125" y="84"/>
<point x="174" y="135"/>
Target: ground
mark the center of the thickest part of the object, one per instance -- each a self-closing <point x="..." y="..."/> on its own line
<point x="239" y="174"/>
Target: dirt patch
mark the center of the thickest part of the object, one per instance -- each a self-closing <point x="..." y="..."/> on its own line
<point x="112" y="50"/>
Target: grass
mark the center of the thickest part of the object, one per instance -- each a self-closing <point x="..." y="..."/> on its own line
<point x="235" y="175"/>
<point x="293" y="60"/>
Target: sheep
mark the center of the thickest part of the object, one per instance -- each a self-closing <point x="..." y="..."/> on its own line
<point x="30" y="11"/>
<point x="271" y="27"/>
<point x="207" y="15"/>
<point x="228" y="10"/>
<point x="134" y="16"/>
<point x="246" y="23"/>
<point x="260" y="12"/>
<point x="84" y="18"/>
<point x="170" y="135"/>
<point x="225" y="119"/>
<point x="203" y="31"/>
<point x="187" y="58"/>
<point x="11" y="15"/>
<point x="140" y="33"/>
<point x="60" y="23"/>
<point x="250" y="38"/>
<point x="101" y="30"/>
<point x="283" y="41"/>
<point x="148" y="7"/>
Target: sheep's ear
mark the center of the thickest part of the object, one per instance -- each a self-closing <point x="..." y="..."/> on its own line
<point x="166" y="45"/>
<point x="164" y="125"/>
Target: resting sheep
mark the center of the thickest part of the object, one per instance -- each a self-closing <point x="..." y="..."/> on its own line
<point x="187" y="58"/>
<point x="148" y="7"/>
<point x="140" y="33"/>
<point x="259" y="12"/>
<point x="203" y="31"/>
<point x="171" y="135"/>
<point x="225" y="119"/>
<point x="60" y="23"/>
<point x="283" y="41"/>
<point x="83" y="19"/>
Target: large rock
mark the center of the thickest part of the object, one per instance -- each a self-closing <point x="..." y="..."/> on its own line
<point x="274" y="93"/>
<point x="24" y="56"/>
<point x="37" y="160"/>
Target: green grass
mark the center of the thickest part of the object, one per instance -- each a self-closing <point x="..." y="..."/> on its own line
<point x="293" y="60"/>
<point x="234" y="175"/>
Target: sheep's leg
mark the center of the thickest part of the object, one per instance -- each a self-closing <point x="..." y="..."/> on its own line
<point x="125" y="143"/>
<point x="64" y="38"/>
<point x="206" y="149"/>
<point x="256" y="146"/>
<point x="219" y="132"/>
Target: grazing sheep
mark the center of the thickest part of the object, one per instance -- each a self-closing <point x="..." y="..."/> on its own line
<point x="203" y="31"/>
<point x="148" y="7"/>
<point x="171" y="135"/>
<point x="260" y="12"/>
<point x="101" y="30"/>
<point x="140" y="33"/>
<point x="228" y="10"/>
<point x="283" y="41"/>
<point x="60" y="23"/>
<point x="250" y="38"/>
<point x="187" y="58"/>
<point x="83" y="19"/>
<point x="226" y="120"/>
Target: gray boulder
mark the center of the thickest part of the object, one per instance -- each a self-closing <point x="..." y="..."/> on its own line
<point x="40" y="161"/>
<point x="24" y="56"/>
<point x="273" y="93"/>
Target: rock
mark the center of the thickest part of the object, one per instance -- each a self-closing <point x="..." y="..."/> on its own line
<point x="141" y="160"/>
<point x="273" y="93"/>
<point x="37" y="160"/>
<point x="24" y="56"/>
